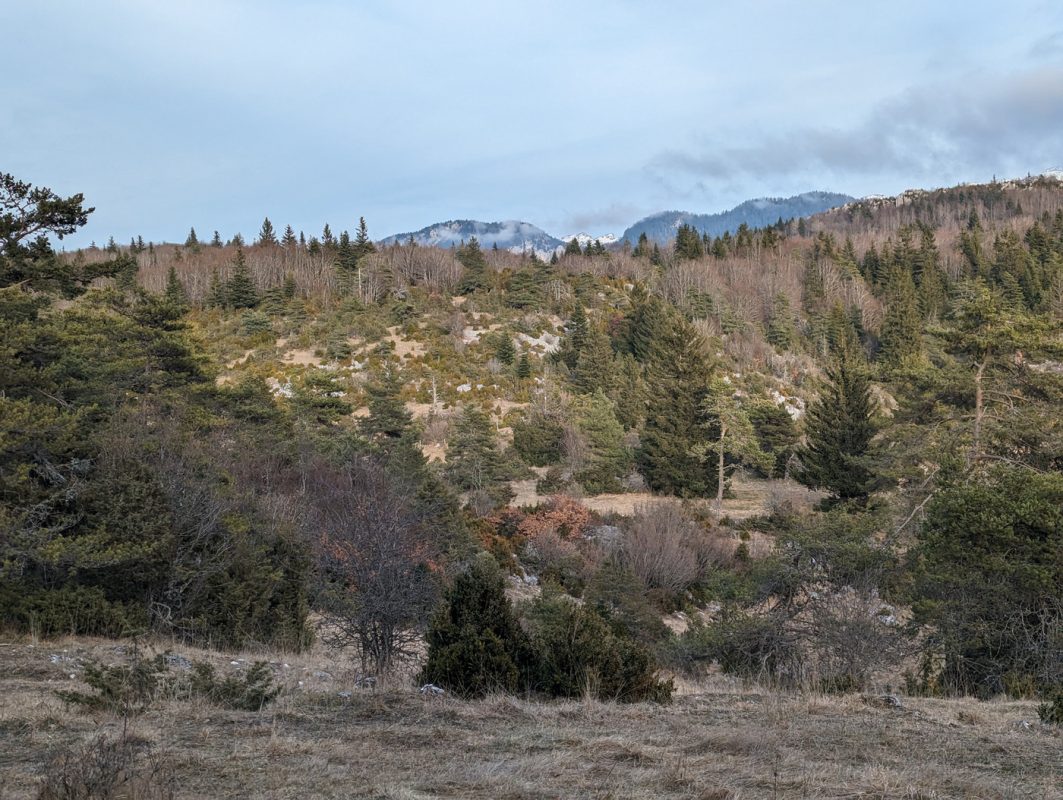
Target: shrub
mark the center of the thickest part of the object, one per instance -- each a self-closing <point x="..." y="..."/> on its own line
<point x="475" y="644"/>
<point x="1051" y="711"/>
<point x="579" y="653"/>
<point x="107" y="769"/>
<point x="249" y="691"/>
<point x="124" y="690"/>
<point x="537" y="440"/>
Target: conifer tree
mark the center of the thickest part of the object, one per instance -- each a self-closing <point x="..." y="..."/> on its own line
<point x="363" y="245"/>
<point x="192" y="241"/>
<point x="216" y="294"/>
<point x="595" y="366"/>
<point x="175" y="293"/>
<point x="215" y="240"/>
<point x="642" y="247"/>
<point x="240" y="289"/>
<point x="266" y="235"/>
<point x="572" y="247"/>
<point x="288" y="239"/>
<point x="474" y="462"/>
<point x="577" y="331"/>
<point x="475" y="642"/>
<point x="606" y="459"/>
<point x="524" y="369"/>
<point x="677" y="377"/>
<point x="731" y="436"/>
<point x="901" y="338"/>
<point x="838" y="431"/>
<point x="505" y="352"/>
<point x="327" y="239"/>
<point x="781" y="324"/>
<point x="474" y="275"/>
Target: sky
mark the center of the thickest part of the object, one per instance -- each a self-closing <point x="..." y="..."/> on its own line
<point x="574" y="116"/>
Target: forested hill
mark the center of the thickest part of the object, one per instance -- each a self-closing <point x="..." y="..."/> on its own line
<point x="759" y="213"/>
<point x="802" y="435"/>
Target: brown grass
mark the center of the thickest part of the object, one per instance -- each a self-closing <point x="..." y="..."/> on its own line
<point x="716" y="741"/>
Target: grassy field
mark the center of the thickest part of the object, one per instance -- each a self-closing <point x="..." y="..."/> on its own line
<point x="325" y="738"/>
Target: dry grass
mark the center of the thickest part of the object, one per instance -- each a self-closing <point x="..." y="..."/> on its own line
<point x="715" y="741"/>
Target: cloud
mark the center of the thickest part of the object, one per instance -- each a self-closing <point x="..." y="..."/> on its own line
<point x="936" y="130"/>
<point x="614" y="215"/>
<point x="1048" y="46"/>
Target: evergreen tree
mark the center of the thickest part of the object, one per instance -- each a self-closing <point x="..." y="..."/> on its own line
<point x="266" y="235"/>
<point x="577" y="331"/>
<point x="606" y="459"/>
<point x="781" y="330"/>
<point x="688" y="244"/>
<point x="732" y="437"/>
<point x="524" y="369"/>
<point x="217" y="297"/>
<point x="192" y="241"/>
<point x="363" y="245"/>
<point x="475" y="642"/>
<point x="901" y="339"/>
<point x="838" y="431"/>
<point x="240" y="289"/>
<point x="237" y="240"/>
<point x="595" y="366"/>
<point x="327" y="239"/>
<point x="572" y="247"/>
<point x="642" y="247"/>
<point x="175" y="293"/>
<point x="288" y="239"/>
<point x="677" y="377"/>
<point x="215" y="240"/>
<point x="474" y="462"/>
<point x="505" y="352"/>
<point x="474" y="275"/>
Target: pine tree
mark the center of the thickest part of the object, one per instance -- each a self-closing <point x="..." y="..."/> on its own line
<point x="237" y="240"/>
<point x="606" y="459"/>
<point x="688" y="244"/>
<point x="267" y="236"/>
<point x="192" y="241"/>
<point x="216" y="294"/>
<point x="572" y="247"/>
<point x="732" y="436"/>
<point x="327" y="238"/>
<point x="474" y="276"/>
<point x="576" y="337"/>
<point x="677" y="378"/>
<point x="474" y="462"/>
<point x="175" y="294"/>
<point x="240" y="289"/>
<point x="838" y="431"/>
<point x="595" y="366"/>
<point x="288" y="239"/>
<point x="524" y="369"/>
<point x="901" y="339"/>
<point x="363" y="245"/>
<point x="216" y="240"/>
<point x="505" y="352"/>
<point x="781" y="330"/>
<point x="642" y="247"/>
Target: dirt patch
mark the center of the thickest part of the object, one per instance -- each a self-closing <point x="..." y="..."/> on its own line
<point x="301" y="358"/>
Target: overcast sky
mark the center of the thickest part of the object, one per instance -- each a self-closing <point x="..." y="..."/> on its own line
<point x="570" y="115"/>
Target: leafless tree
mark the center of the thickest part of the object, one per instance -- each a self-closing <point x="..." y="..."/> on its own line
<point x="375" y="558"/>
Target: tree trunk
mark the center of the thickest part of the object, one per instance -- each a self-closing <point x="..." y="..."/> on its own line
<point x="979" y="410"/>
<point x="719" y="472"/>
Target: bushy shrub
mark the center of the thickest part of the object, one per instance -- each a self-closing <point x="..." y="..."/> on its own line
<point x="475" y="643"/>
<point x="107" y="769"/>
<point x="124" y="690"/>
<point x="537" y="440"/>
<point x="249" y="691"/>
<point x="580" y="654"/>
<point x="1051" y="711"/>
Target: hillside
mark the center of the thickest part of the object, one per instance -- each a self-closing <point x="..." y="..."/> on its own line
<point x="758" y="213"/>
<point x="814" y="464"/>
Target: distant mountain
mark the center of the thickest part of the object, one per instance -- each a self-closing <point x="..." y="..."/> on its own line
<point x="755" y="213"/>
<point x="512" y="235"/>
<point x="585" y="238"/>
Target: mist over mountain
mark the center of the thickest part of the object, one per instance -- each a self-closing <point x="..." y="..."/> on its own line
<point x="512" y="235"/>
<point x="757" y="213"/>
